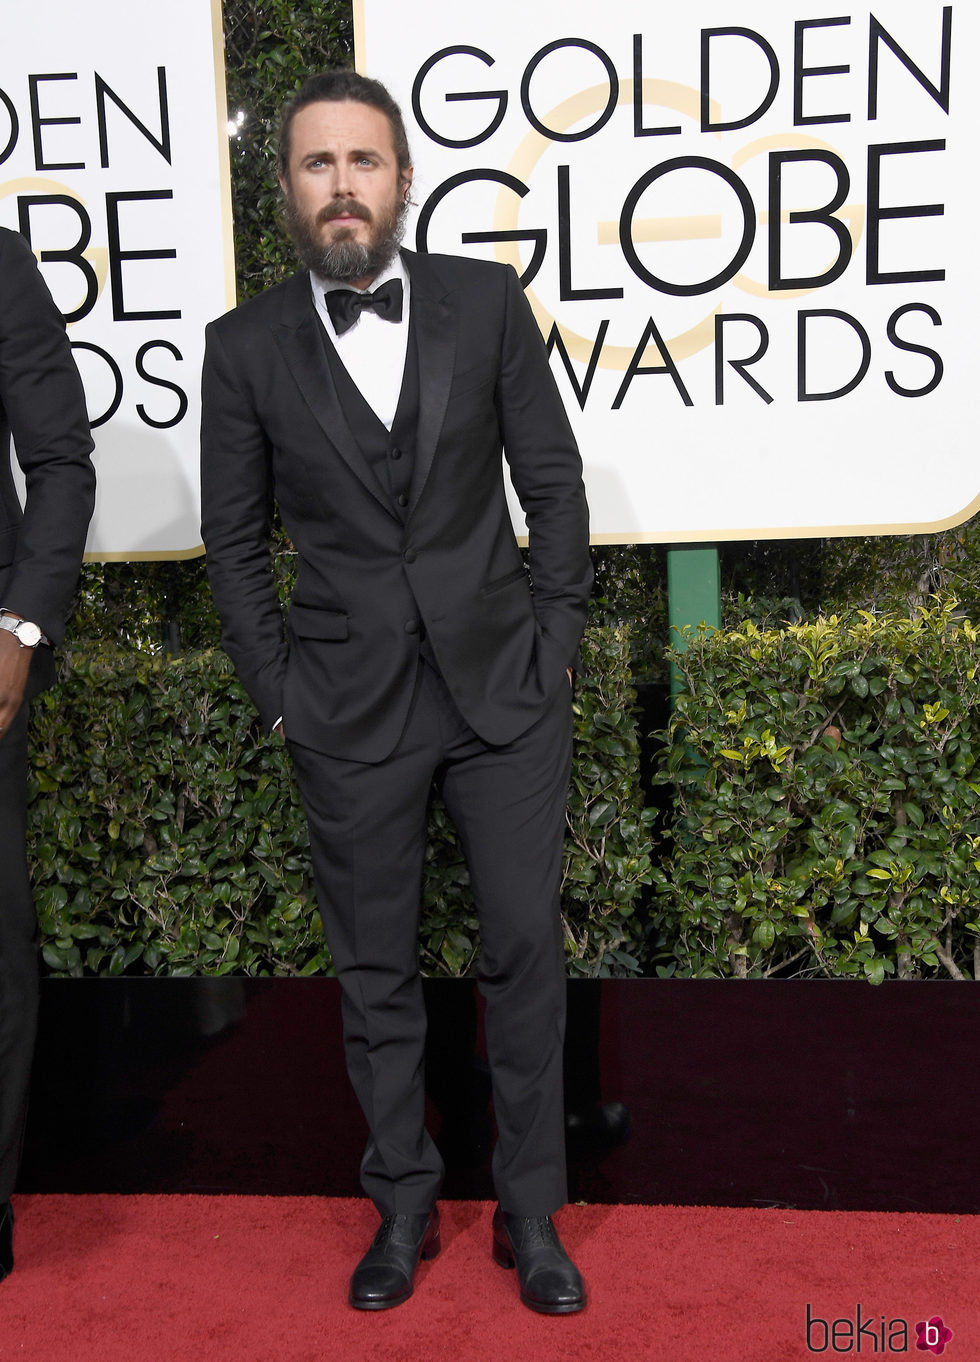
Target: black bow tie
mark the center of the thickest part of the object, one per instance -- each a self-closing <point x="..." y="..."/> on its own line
<point x="345" y="306"/>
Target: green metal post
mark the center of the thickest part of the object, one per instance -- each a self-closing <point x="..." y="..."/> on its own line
<point x="693" y="594"/>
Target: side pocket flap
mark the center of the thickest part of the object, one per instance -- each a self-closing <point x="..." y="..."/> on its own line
<point x="508" y="579"/>
<point x="308" y="621"/>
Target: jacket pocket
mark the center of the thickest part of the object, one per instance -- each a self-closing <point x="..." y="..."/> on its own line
<point x="499" y="583"/>
<point x="309" y="621"/>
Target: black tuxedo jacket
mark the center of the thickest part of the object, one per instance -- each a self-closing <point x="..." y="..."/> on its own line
<point x="42" y="403"/>
<point x="274" y="430"/>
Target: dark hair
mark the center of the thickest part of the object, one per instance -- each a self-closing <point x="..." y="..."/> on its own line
<point x="336" y="87"/>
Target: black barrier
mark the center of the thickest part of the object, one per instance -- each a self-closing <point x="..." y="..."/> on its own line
<point x="810" y="1094"/>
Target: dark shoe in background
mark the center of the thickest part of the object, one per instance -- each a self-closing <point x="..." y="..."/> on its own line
<point x="549" y="1280"/>
<point x="597" y="1128"/>
<point x="385" y="1276"/>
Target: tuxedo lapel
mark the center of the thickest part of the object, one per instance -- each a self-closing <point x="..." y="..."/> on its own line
<point x="300" y="339"/>
<point x="435" y="316"/>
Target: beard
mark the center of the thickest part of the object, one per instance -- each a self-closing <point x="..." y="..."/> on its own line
<point x="341" y="257"/>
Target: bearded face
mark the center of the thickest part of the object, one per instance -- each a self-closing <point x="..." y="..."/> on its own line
<point x="340" y="252"/>
<point x="344" y="192"/>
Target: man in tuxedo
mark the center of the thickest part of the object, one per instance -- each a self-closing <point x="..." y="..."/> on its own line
<point x="370" y="397"/>
<point x="43" y="406"/>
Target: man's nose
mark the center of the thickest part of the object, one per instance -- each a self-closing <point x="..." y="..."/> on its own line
<point x="343" y="182"/>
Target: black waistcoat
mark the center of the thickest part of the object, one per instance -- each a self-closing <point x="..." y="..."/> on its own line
<point x="391" y="456"/>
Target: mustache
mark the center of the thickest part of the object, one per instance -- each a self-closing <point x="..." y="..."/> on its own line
<point x="350" y="208"/>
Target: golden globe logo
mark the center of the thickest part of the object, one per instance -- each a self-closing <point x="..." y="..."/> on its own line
<point x="626" y="255"/>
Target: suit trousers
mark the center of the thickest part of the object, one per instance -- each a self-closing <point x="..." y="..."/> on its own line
<point x="368" y="835"/>
<point x="18" y="951"/>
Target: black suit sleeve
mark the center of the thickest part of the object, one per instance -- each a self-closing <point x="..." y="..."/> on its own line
<point x="547" y="475"/>
<point x="237" y="505"/>
<point x="42" y="405"/>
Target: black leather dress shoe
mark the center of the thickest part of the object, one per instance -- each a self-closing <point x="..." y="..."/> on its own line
<point x="6" y="1239"/>
<point x="385" y="1276"/>
<point x="550" y="1281"/>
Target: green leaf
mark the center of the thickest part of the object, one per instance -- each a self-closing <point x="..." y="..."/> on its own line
<point x="874" y="970"/>
<point x="602" y="813"/>
<point x="764" y="935"/>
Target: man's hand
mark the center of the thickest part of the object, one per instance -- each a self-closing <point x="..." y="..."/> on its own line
<point x="15" y="663"/>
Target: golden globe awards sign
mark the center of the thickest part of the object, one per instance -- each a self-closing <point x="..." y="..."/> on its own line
<point x="113" y="164"/>
<point x="748" y="233"/>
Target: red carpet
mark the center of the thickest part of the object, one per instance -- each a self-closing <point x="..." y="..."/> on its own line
<point x="263" y="1279"/>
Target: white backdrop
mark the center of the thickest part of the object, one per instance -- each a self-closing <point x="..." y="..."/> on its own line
<point x="855" y="408"/>
<point x="114" y="156"/>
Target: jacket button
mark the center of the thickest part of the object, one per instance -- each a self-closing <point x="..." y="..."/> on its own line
<point x="411" y="626"/>
<point x="402" y="499"/>
<point x="396" y="453"/>
<point x="410" y="555"/>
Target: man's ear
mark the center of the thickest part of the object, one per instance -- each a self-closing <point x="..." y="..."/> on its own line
<point x="407" y="174"/>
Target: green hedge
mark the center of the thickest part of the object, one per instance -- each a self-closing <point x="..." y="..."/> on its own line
<point x="828" y="815"/>
<point x="167" y="837"/>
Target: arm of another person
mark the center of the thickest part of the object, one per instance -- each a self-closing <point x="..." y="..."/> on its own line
<point x="42" y="401"/>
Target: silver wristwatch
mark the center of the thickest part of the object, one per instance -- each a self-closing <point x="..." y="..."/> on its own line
<point x="27" y="634"/>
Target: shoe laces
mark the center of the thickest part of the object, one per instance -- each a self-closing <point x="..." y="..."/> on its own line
<point x="388" y="1227"/>
<point x="537" y="1231"/>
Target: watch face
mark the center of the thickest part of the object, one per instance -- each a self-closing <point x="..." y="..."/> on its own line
<point x="28" y="634"/>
